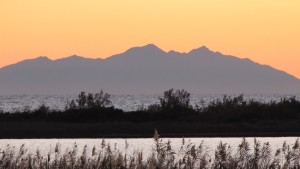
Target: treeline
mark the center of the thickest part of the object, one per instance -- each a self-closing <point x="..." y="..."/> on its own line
<point x="173" y="106"/>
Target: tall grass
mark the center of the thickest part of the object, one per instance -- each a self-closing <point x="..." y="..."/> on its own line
<point x="162" y="156"/>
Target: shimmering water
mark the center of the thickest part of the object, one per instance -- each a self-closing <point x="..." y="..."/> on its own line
<point x="125" y="102"/>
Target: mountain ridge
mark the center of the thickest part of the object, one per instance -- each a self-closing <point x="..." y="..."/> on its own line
<point x="146" y="69"/>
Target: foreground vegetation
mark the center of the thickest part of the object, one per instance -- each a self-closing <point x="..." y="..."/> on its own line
<point x="93" y="115"/>
<point x="163" y="156"/>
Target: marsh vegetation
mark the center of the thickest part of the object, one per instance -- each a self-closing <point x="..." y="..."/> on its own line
<point x="162" y="155"/>
<point x="172" y="106"/>
<point x="93" y="115"/>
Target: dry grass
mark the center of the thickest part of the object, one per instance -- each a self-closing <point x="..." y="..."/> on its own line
<point x="163" y="156"/>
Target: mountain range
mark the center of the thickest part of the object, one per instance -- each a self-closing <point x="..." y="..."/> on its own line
<point x="146" y="70"/>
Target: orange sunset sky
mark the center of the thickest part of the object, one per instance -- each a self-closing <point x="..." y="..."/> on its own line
<point x="266" y="31"/>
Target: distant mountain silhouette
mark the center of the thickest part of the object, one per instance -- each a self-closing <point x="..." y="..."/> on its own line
<point x="144" y="70"/>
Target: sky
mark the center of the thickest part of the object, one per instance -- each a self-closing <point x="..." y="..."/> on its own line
<point x="266" y="31"/>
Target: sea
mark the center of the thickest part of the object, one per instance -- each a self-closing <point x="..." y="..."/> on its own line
<point x="13" y="103"/>
<point x="128" y="103"/>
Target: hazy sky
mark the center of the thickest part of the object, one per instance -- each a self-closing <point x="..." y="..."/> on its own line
<point x="266" y="31"/>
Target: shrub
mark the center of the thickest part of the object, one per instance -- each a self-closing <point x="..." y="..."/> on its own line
<point x="98" y="100"/>
<point x="175" y="100"/>
<point x="81" y="101"/>
<point x="102" y="99"/>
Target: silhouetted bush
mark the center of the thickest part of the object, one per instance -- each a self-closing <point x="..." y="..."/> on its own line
<point x="172" y="102"/>
<point x="175" y="100"/>
<point x="82" y="100"/>
<point x="98" y="100"/>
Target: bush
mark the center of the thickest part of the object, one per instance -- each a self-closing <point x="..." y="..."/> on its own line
<point x="175" y="100"/>
<point x="98" y="100"/>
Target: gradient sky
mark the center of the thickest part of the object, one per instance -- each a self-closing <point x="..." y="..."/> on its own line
<point x="266" y="31"/>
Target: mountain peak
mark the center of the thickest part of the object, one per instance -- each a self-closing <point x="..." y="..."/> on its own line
<point x="42" y="58"/>
<point x="149" y="48"/>
<point x="201" y="50"/>
<point x="75" y="56"/>
<point x="151" y="45"/>
<point x="72" y="57"/>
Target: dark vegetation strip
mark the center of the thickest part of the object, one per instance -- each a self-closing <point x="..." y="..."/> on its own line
<point x="93" y="115"/>
<point x="174" y="106"/>
<point x="142" y="130"/>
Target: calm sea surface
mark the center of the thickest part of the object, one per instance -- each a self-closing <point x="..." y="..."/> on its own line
<point x="125" y="102"/>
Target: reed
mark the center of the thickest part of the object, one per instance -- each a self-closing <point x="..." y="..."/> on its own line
<point x="163" y="156"/>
